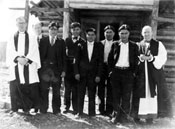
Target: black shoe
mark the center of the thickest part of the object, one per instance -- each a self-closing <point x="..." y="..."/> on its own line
<point x="43" y="111"/>
<point x="149" y="121"/>
<point x="74" y="112"/>
<point x="102" y="113"/>
<point x="115" y="118"/>
<point x="79" y="116"/>
<point x="27" y="113"/>
<point x="36" y="110"/>
<point x="57" y="113"/>
<point x="137" y="120"/>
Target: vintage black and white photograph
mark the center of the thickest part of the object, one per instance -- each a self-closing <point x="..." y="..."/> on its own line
<point x="87" y="64"/>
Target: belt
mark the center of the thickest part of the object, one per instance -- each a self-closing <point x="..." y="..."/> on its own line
<point x="122" y="68"/>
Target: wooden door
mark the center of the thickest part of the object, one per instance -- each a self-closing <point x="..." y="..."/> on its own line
<point x="90" y="23"/>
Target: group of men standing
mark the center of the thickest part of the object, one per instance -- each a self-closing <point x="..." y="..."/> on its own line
<point x="113" y="69"/>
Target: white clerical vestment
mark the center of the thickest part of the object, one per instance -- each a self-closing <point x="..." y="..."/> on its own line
<point x="33" y="55"/>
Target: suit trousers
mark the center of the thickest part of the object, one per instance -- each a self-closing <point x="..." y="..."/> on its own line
<point x="56" y="99"/>
<point x="88" y="82"/>
<point x="105" y="91"/>
<point x="122" y="82"/>
<point x="71" y="93"/>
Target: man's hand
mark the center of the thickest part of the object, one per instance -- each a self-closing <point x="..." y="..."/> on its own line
<point x="97" y="79"/>
<point x="145" y="58"/>
<point x="77" y="77"/>
<point x="63" y="74"/>
<point x="22" y="60"/>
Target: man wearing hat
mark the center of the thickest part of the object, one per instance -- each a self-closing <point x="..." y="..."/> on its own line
<point x="53" y="67"/>
<point x="88" y="67"/>
<point x="70" y="81"/>
<point x="104" y="87"/>
<point x="123" y="61"/>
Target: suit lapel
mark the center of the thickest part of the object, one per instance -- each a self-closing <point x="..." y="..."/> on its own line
<point x="116" y="52"/>
<point x="94" y="50"/>
<point x="86" y="51"/>
<point x="129" y="51"/>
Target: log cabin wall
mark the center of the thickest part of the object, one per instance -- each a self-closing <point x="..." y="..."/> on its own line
<point x="166" y="34"/>
<point x="47" y="11"/>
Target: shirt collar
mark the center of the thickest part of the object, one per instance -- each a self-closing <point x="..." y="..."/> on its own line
<point x="21" y="32"/>
<point x="90" y="43"/>
<point x="107" y="41"/>
<point x="121" y="43"/>
<point x="40" y="36"/>
<point x="51" y="37"/>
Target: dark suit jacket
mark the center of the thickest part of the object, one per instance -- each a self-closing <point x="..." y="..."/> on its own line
<point x="71" y="50"/>
<point x="133" y="56"/>
<point x="82" y="64"/>
<point x="60" y="56"/>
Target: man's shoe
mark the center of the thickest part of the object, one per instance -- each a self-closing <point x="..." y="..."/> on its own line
<point x="149" y="121"/>
<point x="114" y="120"/>
<point x="74" y="112"/>
<point x="115" y="117"/>
<point x="79" y="116"/>
<point x="57" y="112"/>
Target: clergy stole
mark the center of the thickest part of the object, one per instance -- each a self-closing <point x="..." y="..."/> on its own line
<point x="22" y="72"/>
<point x="147" y="105"/>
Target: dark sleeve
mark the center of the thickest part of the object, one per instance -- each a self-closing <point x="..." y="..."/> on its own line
<point x="111" y="59"/>
<point x="77" y="59"/>
<point x="101" y="59"/>
<point x="63" y="56"/>
<point x="30" y="61"/>
<point x="15" y="60"/>
<point x="136" y="59"/>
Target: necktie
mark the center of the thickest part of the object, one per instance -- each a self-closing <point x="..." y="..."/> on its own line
<point x="52" y="41"/>
<point x="75" y="38"/>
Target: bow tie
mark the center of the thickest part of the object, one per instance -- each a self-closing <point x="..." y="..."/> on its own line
<point x="75" y="38"/>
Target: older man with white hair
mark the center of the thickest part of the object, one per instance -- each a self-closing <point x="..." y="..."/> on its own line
<point x="150" y="79"/>
<point x="24" y="61"/>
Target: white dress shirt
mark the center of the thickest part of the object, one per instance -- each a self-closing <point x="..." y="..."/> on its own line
<point x="90" y="46"/>
<point x="50" y="39"/>
<point x="107" y="48"/>
<point x="123" y="60"/>
<point x="21" y="43"/>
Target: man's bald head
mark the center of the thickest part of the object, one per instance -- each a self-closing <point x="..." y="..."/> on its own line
<point x="147" y="33"/>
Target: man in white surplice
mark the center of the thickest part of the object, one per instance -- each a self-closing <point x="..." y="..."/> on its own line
<point x="24" y="61"/>
<point x="153" y="56"/>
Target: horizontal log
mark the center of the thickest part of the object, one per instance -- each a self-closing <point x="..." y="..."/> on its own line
<point x="111" y="2"/>
<point x="170" y="63"/>
<point x="170" y="80"/>
<point x="166" y="37"/>
<point x="111" y="7"/>
<point x="166" y="32"/>
<point x="17" y="8"/>
<point x="162" y="19"/>
<point x="36" y="9"/>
